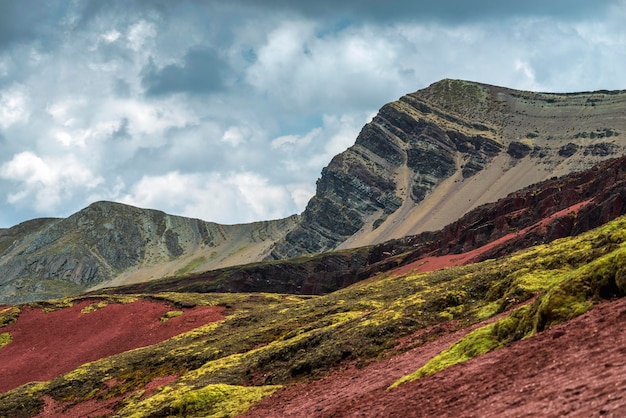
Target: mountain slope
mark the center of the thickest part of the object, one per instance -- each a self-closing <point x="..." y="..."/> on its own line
<point x="432" y="156"/>
<point x="556" y="208"/>
<point x="573" y="369"/>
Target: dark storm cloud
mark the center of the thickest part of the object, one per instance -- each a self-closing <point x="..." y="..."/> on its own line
<point x="202" y="71"/>
<point x="22" y="21"/>
<point x="442" y="10"/>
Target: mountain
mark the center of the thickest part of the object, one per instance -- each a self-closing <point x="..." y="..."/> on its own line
<point x="48" y="258"/>
<point x="538" y="214"/>
<point x="432" y="156"/>
<point x="423" y="162"/>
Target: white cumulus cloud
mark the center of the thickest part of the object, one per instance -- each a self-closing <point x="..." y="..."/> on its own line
<point x="13" y="105"/>
<point x="219" y="197"/>
<point x="47" y="181"/>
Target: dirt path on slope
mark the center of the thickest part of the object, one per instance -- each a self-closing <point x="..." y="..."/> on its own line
<point x="575" y="369"/>
<point x="46" y="345"/>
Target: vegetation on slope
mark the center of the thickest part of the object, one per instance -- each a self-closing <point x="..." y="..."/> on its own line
<point x="270" y="340"/>
<point x="5" y="338"/>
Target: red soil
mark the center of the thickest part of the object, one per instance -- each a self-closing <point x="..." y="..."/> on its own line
<point x="46" y="345"/>
<point x="574" y="369"/>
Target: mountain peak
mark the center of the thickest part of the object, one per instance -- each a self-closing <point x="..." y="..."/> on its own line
<point x="472" y="142"/>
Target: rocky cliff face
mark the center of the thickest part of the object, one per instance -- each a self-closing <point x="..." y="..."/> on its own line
<point x="472" y="142"/>
<point x="53" y="257"/>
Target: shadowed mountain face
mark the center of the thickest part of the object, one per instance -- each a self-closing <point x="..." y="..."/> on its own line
<point x="423" y="162"/>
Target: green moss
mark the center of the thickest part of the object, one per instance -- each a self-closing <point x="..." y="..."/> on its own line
<point x="193" y="264"/>
<point x="9" y="315"/>
<point x="567" y="294"/>
<point x="217" y="400"/>
<point x="487" y="311"/>
<point x="478" y="342"/>
<point x="5" y="338"/>
<point x="53" y="305"/>
<point x="169" y="315"/>
<point x="94" y="307"/>
<point x="220" y="400"/>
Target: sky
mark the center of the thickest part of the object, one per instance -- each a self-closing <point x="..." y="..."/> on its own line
<point x="228" y="111"/>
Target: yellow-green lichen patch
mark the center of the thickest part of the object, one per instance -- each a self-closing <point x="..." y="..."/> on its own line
<point x="216" y="400"/>
<point x="567" y="294"/>
<point x="53" y="305"/>
<point x="101" y="301"/>
<point x="94" y="307"/>
<point x="478" y="342"/>
<point x="5" y="338"/>
<point x="169" y="315"/>
<point x="192" y="265"/>
<point x="9" y="315"/>
<point x="488" y="310"/>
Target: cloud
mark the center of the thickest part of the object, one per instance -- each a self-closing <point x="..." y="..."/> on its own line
<point x="13" y="106"/>
<point x="47" y="181"/>
<point x="201" y="71"/>
<point x="139" y="33"/>
<point x="226" y="198"/>
<point x="234" y="107"/>
<point x="22" y="21"/>
<point x="453" y="11"/>
<point x="303" y="71"/>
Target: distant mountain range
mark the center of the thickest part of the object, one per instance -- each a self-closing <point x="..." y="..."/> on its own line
<point x="423" y="162"/>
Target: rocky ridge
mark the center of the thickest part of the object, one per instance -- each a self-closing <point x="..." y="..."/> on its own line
<point x="539" y="214"/>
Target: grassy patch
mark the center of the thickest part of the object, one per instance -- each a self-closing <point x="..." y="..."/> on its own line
<point x="94" y="307"/>
<point x="169" y="315"/>
<point x="9" y="315"/>
<point x="191" y="266"/>
<point x="566" y="294"/>
<point x="217" y="400"/>
<point x="5" y="338"/>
